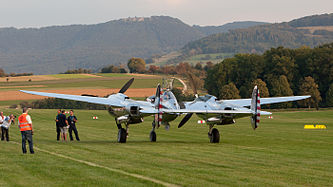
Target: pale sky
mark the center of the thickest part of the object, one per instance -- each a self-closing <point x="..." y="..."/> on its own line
<point x="40" y="13"/>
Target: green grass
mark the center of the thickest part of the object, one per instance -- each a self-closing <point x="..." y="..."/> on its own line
<point x="279" y="153"/>
<point x="214" y="58"/>
<point x="11" y="102"/>
<point x="138" y="83"/>
<point x="69" y="76"/>
<point x="114" y="75"/>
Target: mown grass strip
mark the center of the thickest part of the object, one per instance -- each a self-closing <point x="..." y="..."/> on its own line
<point x="104" y="167"/>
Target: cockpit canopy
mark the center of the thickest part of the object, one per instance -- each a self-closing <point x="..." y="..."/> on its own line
<point x="206" y="98"/>
<point x="168" y="100"/>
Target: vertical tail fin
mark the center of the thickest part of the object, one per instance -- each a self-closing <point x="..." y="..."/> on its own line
<point x="255" y="108"/>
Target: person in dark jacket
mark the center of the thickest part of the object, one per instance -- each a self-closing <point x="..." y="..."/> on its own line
<point x="57" y="125"/>
<point x="72" y="127"/>
<point x="63" y="124"/>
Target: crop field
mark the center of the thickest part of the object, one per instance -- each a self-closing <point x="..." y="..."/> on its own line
<point x="213" y="57"/>
<point x="77" y="84"/>
<point x="279" y="153"/>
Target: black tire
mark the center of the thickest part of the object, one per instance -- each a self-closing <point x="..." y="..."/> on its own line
<point x="152" y="136"/>
<point x="122" y="135"/>
<point x="215" y="136"/>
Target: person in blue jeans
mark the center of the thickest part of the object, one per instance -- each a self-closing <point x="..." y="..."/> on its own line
<point x="25" y="126"/>
<point x="8" y="120"/>
<point x="72" y="127"/>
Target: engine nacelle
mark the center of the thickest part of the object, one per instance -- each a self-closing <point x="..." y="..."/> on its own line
<point x="134" y="120"/>
<point x="228" y="115"/>
<point x="227" y="121"/>
<point x="133" y="110"/>
<point x="220" y="121"/>
<point x="129" y="119"/>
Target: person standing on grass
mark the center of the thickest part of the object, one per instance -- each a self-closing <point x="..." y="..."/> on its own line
<point x="63" y="124"/>
<point x="1" y="119"/>
<point x="71" y="121"/>
<point x="25" y="125"/>
<point x="58" y="125"/>
<point x="8" y="120"/>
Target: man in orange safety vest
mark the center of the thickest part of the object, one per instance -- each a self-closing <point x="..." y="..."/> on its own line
<point x="25" y="125"/>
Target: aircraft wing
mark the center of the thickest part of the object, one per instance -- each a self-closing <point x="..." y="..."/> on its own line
<point x="263" y="101"/>
<point x="213" y="111"/>
<point x="94" y="100"/>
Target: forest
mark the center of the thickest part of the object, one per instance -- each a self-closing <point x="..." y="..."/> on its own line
<point x="278" y="72"/>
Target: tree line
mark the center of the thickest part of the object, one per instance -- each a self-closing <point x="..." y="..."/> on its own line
<point x="4" y="74"/>
<point x="278" y="72"/>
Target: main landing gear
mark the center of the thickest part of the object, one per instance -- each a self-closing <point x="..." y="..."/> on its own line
<point x="152" y="135"/>
<point x="213" y="134"/>
<point x="122" y="133"/>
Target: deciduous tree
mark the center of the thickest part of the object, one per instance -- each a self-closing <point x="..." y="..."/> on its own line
<point x="280" y="86"/>
<point x="2" y="72"/>
<point x="262" y="87"/>
<point x="309" y="87"/>
<point x="136" y="65"/>
<point x="229" y="91"/>
<point x="329" y="96"/>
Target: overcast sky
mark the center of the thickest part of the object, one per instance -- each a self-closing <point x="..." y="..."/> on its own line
<point x="39" y="13"/>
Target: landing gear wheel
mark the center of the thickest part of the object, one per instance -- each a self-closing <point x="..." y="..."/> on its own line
<point x="152" y="136"/>
<point x="122" y="135"/>
<point x="214" y="137"/>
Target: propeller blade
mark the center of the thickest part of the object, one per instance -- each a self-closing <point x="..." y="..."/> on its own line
<point x="89" y="95"/>
<point x="185" y="119"/>
<point x="126" y="86"/>
<point x="158" y="91"/>
<point x="157" y="116"/>
<point x="192" y="83"/>
<point x="171" y="85"/>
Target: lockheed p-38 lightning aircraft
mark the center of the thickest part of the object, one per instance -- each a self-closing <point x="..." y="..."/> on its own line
<point x="165" y="108"/>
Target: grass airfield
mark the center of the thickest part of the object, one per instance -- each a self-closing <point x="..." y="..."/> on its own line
<point x="279" y="153"/>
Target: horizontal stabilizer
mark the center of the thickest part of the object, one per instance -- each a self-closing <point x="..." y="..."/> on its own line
<point x="265" y="101"/>
<point x="265" y="113"/>
<point x="207" y="111"/>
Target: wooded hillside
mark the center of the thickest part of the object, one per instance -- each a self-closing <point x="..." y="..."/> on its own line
<point x="257" y="39"/>
<point x="59" y="48"/>
<point x="278" y="72"/>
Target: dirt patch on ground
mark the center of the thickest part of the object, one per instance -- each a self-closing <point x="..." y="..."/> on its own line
<point x="135" y="92"/>
<point x="27" y="78"/>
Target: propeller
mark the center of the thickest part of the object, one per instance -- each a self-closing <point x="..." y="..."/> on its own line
<point x="126" y="86"/>
<point x="192" y="83"/>
<point x="171" y="84"/>
<point x="185" y="119"/>
<point x="158" y="106"/>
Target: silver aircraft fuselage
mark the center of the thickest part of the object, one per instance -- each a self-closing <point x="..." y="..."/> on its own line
<point x="209" y="102"/>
